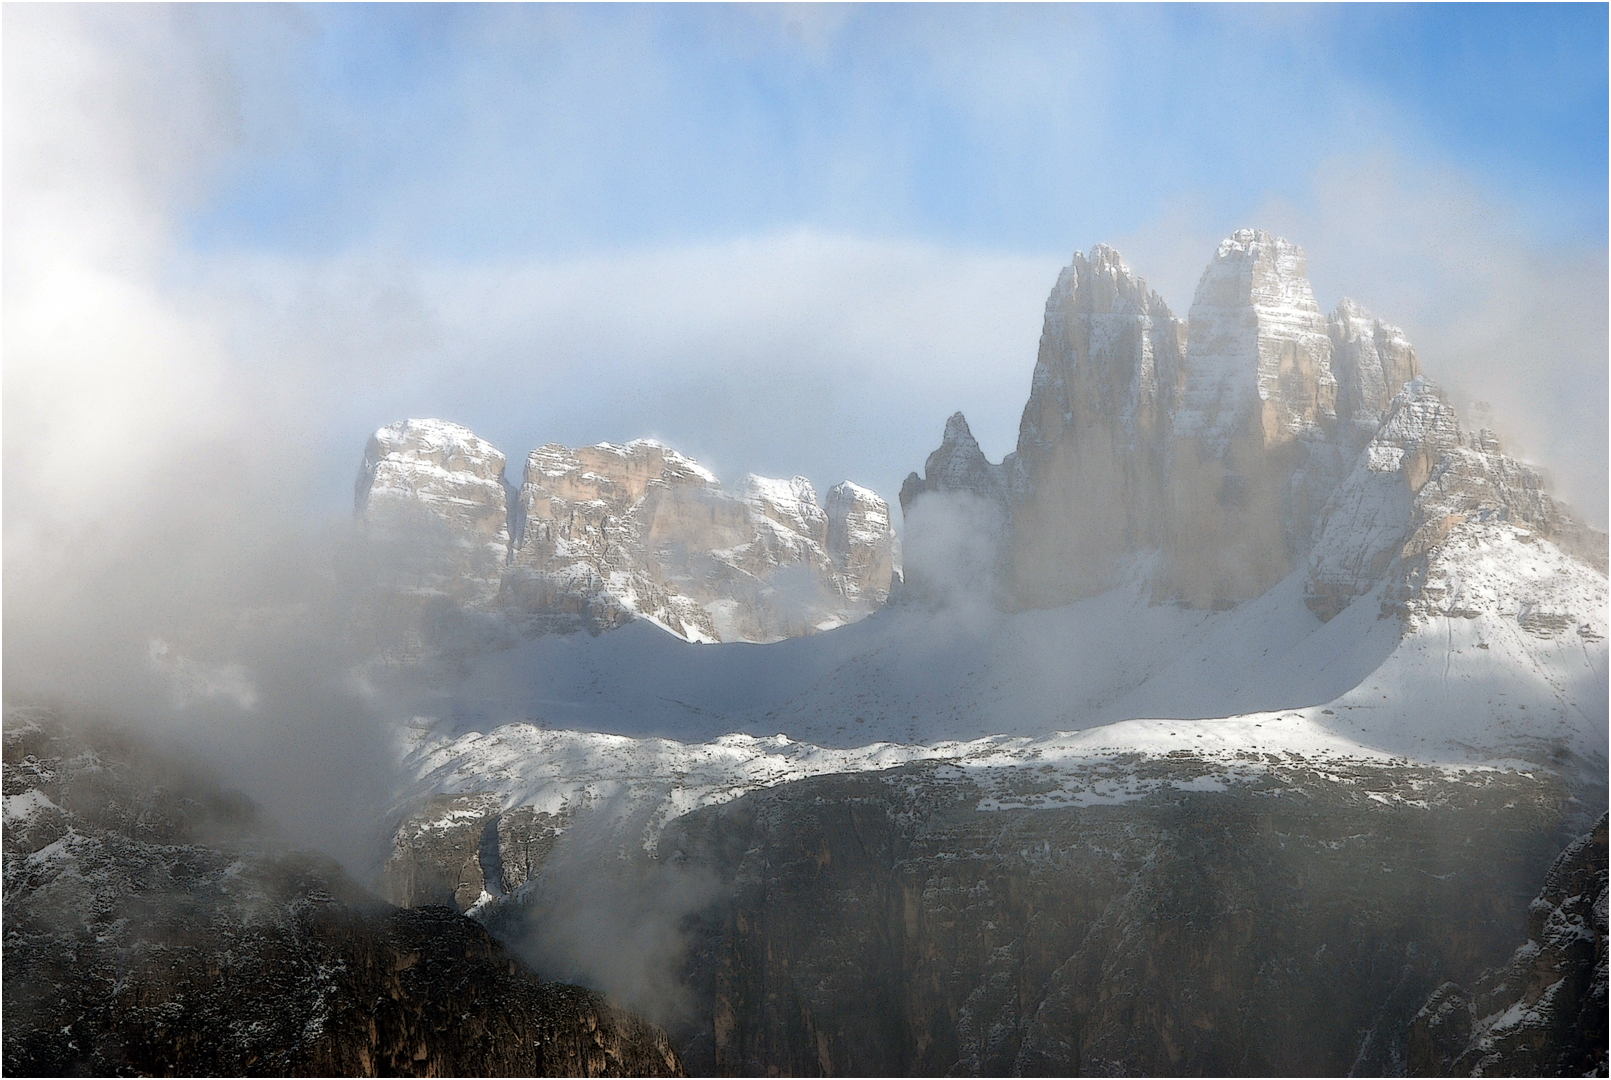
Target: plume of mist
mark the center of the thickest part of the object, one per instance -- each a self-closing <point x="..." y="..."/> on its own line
<point x="604" y="914"/>
<point x="161" y="570"/>
<point x="953" y="555"/>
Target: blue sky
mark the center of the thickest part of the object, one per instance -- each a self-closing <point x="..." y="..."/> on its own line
<point x="785" y="239"/>
<point x="789" y="240"/>
<point x="463" y="131"/>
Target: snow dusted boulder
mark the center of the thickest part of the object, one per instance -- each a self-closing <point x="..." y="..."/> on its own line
<point x="435" y="490"/>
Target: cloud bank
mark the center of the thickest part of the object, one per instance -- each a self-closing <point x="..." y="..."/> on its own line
<point x="183" y="417"/>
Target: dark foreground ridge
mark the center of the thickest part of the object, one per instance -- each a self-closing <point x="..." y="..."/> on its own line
<point x="1544" y="1013"/>
<point x="150" y="930"/>
<point x="1294" y="924"/>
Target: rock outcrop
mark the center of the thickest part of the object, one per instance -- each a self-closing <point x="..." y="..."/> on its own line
<point x="434" y="496"/>
<point x="602" y="534"/>
<point x="915" y="923"/>
<point x="1452" y="525"/>
<point x="1371" y="360"/>
<point x="1544" y="1013"/>
<point x="1093" y="442"/>
<point x="1255" y="438"/>
<point x="151" y="930"/>
<point x="464" y="851"/>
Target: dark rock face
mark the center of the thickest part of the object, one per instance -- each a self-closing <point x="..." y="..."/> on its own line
<point x="149" y="929"/>
<point x="1291" y="924"/>
<point x="454" y="848"/>
<point x="1544" y="1013"/>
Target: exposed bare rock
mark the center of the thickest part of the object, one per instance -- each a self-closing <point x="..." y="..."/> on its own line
<point x="1543" y="1014"/>
<point x="461" y="851"/>
<point x="1252" y="461"/>
<point x="1093" y="441"/>
<point x="1454" y="527"/>
<point x="1253" y="440"/>
<point x="959" y="520"/>
<point x="1367" y="521"/>
<point x="434" y="493"/>
<point x="612" y="532"/>
<point x="861" y="542"/>
<point x="1258" y="355"/>
<point x="603" y="534"/>
<point x="959" y="465"/>
<point x="915" y="923"/>
<point x="1371" y="360"/>
<point x="150" y="929"/>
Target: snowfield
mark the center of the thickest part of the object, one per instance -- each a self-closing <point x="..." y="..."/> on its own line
<point x="640" y="725"/>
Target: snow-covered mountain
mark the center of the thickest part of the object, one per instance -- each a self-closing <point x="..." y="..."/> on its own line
<point x="597" y="536"/>
<point x="1256" y="520"/>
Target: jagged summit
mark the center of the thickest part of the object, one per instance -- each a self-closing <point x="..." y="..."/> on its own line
<point x="598" y="535"/>
<point x="1230" y="448"/>
<point x="1258" y="354"/>
<point x="1371" y="359"/>
<point x="959" y="465"/>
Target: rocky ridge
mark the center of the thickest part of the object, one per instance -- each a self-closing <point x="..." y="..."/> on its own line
<point x="1543" y="1013"/>
<point x="151" y="929"/>
<point x="910" y="923"/>
<point x="1237" y="445"/>
<point x="602" y="534"/>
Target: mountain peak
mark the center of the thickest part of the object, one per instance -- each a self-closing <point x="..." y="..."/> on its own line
<point x="957" y="432"/>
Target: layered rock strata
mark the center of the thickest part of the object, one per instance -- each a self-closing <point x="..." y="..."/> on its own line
<point x="434" y="495"/>
<point x="599" y="535"/>
<point x="1252" y="439"/>
<point x="1451" y="527"/>
<point x="150" y="930"/>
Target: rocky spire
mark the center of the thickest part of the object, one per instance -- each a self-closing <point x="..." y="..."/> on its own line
<point x="1372" y="361"/>
<point x="1258" y="356"/>
<point x="958" y="465"/>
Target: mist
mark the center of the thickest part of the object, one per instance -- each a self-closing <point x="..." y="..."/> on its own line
<point x="605" y="913"/>
<point x="185" y="407"/>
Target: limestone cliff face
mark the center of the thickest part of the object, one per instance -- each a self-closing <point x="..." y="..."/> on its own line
<point x="464" y="851"/>
<point x="1253" y="439"/>
<point x="1371" y="360"/>
<point x="1543" y="1013"/>
<point x="435" y="495"/>
<point x="1093" y="441"/>
<point x="911" y="923"/>
<point x="151" y="929"/>
<point x="1452" y="527"/>
<point x="860" y="541"/>
<point x="602" y="534"/>
<point x="1258" y="355"/>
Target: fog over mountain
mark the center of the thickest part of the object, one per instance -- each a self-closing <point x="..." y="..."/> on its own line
<point x="644" y="499"/>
